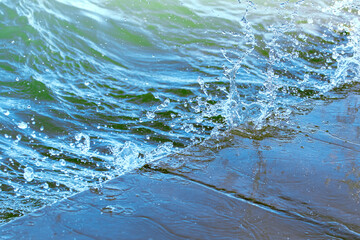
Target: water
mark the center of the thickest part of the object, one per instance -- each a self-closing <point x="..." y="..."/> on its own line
<point x="93" y="89"/>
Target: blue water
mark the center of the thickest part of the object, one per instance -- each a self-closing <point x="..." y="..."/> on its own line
<point x="93" y="89"/>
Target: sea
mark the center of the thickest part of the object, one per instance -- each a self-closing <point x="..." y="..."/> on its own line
<point x="93" y="89"/>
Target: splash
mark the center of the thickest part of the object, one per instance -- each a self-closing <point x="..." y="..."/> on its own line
<point x="274" y="101"/>
<point x="347" y="55"/>
<point x="91" y="97"/>
<point x="129" y="156"/>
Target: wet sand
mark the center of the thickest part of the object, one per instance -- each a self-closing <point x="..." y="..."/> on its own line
<point x="302" y="186"/>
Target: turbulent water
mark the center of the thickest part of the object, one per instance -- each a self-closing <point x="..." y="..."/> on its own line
<point x="92" y="89"/>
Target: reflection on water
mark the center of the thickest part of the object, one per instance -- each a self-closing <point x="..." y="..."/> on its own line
<point x="93" y="89"/>
<point x="259" y="170"/>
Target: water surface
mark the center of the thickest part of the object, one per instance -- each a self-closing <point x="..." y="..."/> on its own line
<point x="93" y="89"/>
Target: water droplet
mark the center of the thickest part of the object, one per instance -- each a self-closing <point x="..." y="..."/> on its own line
<point x="6" y="113"/>
<point x="83" y="142"/>
<point x="22" y="125"/>
<point x="150" y="115"/>
<point x="78" y="137"/>
<point x="29" y="174"/>
<point x="42" y="128"/>
<point x="62" y="162"/>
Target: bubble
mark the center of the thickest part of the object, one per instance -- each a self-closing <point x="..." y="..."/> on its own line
<point x="29" y="174"/>
<point x="6" y="113"/>
<point x="22" y="125"/>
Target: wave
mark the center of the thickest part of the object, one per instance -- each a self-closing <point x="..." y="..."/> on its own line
<point x="93" y="89"/>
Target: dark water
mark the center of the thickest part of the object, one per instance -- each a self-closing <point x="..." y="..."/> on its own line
<point x="92" y="89"/>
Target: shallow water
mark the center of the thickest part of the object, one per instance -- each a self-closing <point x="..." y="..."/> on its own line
<point x="93" y="89"/>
